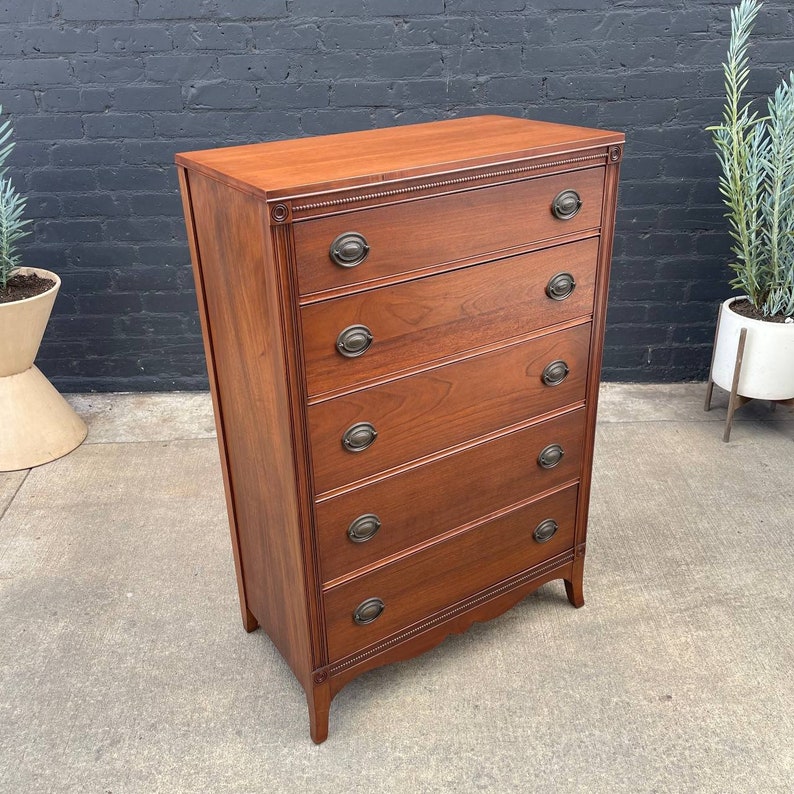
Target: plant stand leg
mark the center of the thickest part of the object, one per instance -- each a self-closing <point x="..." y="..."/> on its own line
<point x="709" y="392"/>
<point x="735" y="399"/>
<point x="710" y="384"/>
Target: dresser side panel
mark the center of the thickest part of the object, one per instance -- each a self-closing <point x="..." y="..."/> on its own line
<point x="249" y="621"/>
<point x="609" y="211"/>
<point x="244" y="321"/>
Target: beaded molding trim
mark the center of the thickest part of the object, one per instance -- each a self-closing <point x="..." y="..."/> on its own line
<point x="445" y="183"/>
<point x="448" y="613"/>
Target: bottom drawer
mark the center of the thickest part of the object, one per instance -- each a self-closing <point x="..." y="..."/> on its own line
<point x="417" y="586"/>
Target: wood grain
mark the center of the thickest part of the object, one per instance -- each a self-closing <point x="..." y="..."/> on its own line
<point x="249" y="621"/>
<point x="447" y="572"/>
<point x="285" y="168"/>
<point x="251" y="393"/>
<point x="462" y="245"/>
<point x="419" y="234"/>
<point x="446" y="406"/>
<point x="425" y="501"/>
<point x="594" y="373"/>
<point x="436" y="627"/>
<point x="425" y="320"/>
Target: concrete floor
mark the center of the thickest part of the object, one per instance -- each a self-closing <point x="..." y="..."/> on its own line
<point x="124" y="667"/>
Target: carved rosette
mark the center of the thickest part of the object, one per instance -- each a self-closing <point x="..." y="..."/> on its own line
<point x="320" y="676"/>
<point x="615" y="153"/>
<point x="279" y="213"/>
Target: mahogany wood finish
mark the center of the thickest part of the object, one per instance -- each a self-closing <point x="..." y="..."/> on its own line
<point x="404" y="238"/>
<point x="451" y="404"/>
<point x="446" y="572"/>
<point x="461" y="243"/>
<point x="428" y="500"/>
<point x="433" y="318"/>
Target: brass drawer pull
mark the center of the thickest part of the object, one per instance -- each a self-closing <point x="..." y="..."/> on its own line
<point x="354" y="341"/>
<point x="363" y="528"/>
<point x="359" y="436"/>
<point x="566" y="204"/>
<point x="555" y="373"/>
<point x="560" y="286"/>
<point x="550" y="456"/>
<point x="368" y="610"/>
<point x="545" y="531"/>
<point x="349" y="249"/>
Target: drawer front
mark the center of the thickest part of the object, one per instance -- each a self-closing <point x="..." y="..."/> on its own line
<point x="429" y="500"/>
<point x="430" y="318"/>
<point x="433" y="410"/>
<point x="433" y="231"/>
<point x="417" y="586"/>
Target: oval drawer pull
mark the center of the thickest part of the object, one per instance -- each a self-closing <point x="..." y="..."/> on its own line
<point x="359" y="436"/>
<point x="368" y="610"/>
<point x="560" y="286"/>
<point x="555" y="373"/>
<point x="550" y="456"/>
<point x="363" y="528"/>
<point x="566" y="204"/>
<point x="349" y="249"/>
<point x="354" y="341"/>
<point x="545" y="531"/>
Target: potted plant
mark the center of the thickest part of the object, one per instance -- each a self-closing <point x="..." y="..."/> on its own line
<point x="754" y="345"/>
<point x="38" y="425"/>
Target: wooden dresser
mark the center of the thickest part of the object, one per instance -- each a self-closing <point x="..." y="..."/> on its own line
<point x="403" y="331"/>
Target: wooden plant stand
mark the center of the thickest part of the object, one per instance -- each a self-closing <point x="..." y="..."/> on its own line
<point x="735" y="400"/>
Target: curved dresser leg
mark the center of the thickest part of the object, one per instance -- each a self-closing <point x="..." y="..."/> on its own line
<point x="574" y="589"/>
<point x="319" y="700"/>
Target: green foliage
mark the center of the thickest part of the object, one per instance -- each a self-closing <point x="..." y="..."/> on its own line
<point x="757" y="181"/>
<point x="12" y="207"/>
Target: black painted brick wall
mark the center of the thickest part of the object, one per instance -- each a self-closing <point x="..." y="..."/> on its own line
<point x="104" y="92"/>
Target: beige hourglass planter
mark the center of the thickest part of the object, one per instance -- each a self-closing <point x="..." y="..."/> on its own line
<point x="36" y="424"/>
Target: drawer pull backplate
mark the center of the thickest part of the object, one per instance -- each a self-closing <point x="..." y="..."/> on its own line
<point x="555" y="373"/>
<point x="560" y="286"/>
<point x="359" y="436"/>
<point x="349" y="249"/>
<point x="550" y="456"/>
<point x="545" y="530"/>
<point x="354" y="341"/>
<point x="566" y="204"/>
<point x="363" y="528"/>
<point x="368" y="610"/>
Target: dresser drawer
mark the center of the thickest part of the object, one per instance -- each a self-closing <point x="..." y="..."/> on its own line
<point x="429" y="500"/>
<point x="417" y="586"/>
<point x="436" y="409"/>
<point x="417" y="234"/>
<point x="428" y="319"/>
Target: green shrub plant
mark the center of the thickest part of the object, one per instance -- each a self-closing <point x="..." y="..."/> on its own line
<point x="12" y="208"/>
<point x="757" y="181"/>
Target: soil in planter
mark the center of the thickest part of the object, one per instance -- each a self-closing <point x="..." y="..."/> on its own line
<point x="746" y="309"/>
<point x="23" y="286"/>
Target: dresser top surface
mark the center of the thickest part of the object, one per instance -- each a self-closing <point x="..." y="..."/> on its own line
<point x="326" y="162"/>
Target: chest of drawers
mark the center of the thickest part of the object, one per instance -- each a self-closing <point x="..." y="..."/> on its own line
<point x="403" y="332"/>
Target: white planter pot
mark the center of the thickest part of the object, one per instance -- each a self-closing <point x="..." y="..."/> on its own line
<point x="768" y="362"/>
<point x="38" y="425"/>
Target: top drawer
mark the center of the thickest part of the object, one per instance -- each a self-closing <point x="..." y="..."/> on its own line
<point x="418" y="234"/>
